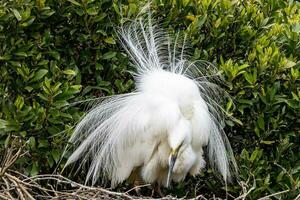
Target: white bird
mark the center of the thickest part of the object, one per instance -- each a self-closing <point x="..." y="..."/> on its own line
<point x="156" y="133"/>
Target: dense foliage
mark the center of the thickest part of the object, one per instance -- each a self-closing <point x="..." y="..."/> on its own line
<point x="55" y="52"/>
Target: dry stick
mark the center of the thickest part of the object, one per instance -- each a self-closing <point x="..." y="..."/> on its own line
<point x="27" y="193"/>
<point x="48" y="190"/>
<point x="4" y="197"/>
<point x="18" y="173"/>
<point x="18" y="190"/>
<point x="244" y="185"/>
<point x="78" y="191"/>
<point x="68" y="181"/>
<point x="83" y="192"/>
<point x="97" y="193"/>
<point x="10" y="159"/>
<point x="62" y="179"/>
<point x="6" y="191"/>
<point x="22" y="188"/>
<point x="243" y="196"/>
<point x="7" y="154"/>
<point x="86" y="194"/>
<point x="13" y="158"/>
<point x="6" y="183"/>
<point x="19" y="183"/>
<point x="271" y="195"/>
<point x="200" y="197"/>
<point x="136" y="187"/>
<point x="72" y="195"/>
<point x="30" y="185"/>
<point x="55" y="193"/>
<point x="7" y="187"/>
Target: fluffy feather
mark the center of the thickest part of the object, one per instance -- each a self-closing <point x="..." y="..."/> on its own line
<point x="174" y="101"/>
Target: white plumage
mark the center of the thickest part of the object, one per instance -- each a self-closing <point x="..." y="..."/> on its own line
<point x="156" y="133"/>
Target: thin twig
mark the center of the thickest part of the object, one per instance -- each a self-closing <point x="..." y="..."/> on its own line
<point x="4" y="197"/>
<point x="136" y="187"/>
<point x="275" y="194"/>
<point x="244" y="188"/>
<point x="20" y="194"/>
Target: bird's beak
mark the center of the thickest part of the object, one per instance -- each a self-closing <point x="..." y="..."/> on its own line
<point x="172" y="160"/>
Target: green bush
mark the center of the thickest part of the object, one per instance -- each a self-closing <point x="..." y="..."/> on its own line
<point x="53" y="53"/>
<point x="49" y="49"/>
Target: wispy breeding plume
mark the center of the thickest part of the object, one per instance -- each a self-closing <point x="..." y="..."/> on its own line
<point x="157" y="132"/>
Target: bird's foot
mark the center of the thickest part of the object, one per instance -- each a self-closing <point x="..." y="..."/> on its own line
<point x="137" y="189"/>
<point x="156" y="191"/>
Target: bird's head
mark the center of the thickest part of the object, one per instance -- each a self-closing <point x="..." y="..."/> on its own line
<point x="179" y="138"/>
<point x="172" y="160"/>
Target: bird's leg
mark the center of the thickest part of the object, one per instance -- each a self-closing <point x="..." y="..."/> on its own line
<point x="156" y="190"/>
<point x="137" y="189"/>
<point x="136" y="180"/>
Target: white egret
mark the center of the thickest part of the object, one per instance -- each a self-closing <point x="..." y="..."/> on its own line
<point x="156" y="133"/>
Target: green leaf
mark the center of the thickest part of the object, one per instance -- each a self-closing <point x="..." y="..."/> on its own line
<point x="68" y="93"/>
<point x="109" y="55"/>
<point x="35" y="169"/>
<point x="261" y="122"/>
<point x="21" y="54"/>
<point x="43" y="62"/>
<point x="47" y="83"/>
<point x="296" y="28"/>
<point x="7" y="141"/>
<point x="69" y="72"/>
<point x="267" y="180"/>
<point x="102" y="32"/>
<point x="77" y="88"/>
<point x="42" y="96"/>
<point x="32" y="142"/>
<point x="56" y="155"/>
<point x="28" y="22"/>
<point x="43" y="143"/>
<point x="60" y="104"/>
<point x="19" y="102"/>
<point x="55" y="54"/>
<point x="100" y="17"/>
<point x="92" y="11"/>
<point x="132" y="9"/>
<point x="17" y="14"/>
<point x="267" y="142"/>
<point x="23" y="134"/>
<point x="110" y="40"/>
<point x="39" y="75"/>
<point x="254" y="155"/>
<point x="75" y="3"/>
<point x="200" y="21"/>
<point x="3" y="124"/>
<point x="9" y="125"/>
<point x="5" y="57"/>
<point x="15" y="63"/>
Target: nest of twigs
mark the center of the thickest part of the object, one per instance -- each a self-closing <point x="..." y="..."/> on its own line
<point x="15" y="185"/>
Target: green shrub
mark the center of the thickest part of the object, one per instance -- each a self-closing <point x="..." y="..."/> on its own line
<point x="53" y="53"/>
<point x="49" y="49"/>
